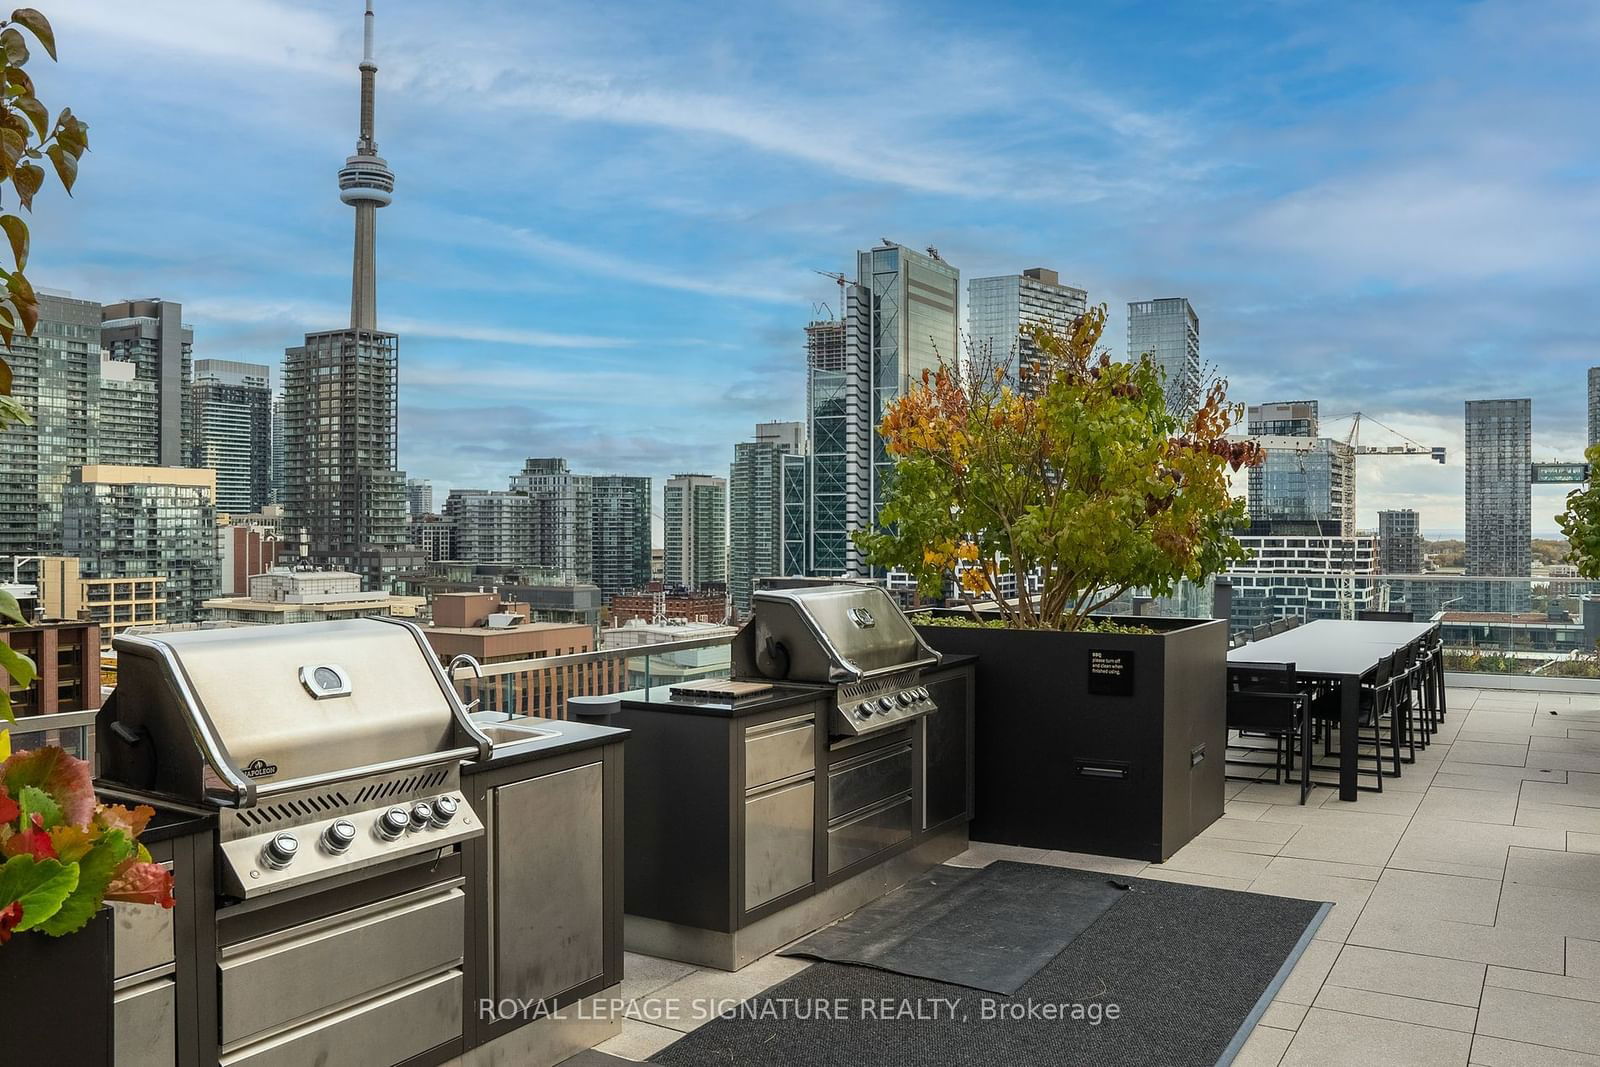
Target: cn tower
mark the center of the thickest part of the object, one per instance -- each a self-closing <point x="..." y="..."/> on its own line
<point x="366" y="183"/>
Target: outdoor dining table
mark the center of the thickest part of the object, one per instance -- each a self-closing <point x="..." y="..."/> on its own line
<point x="1341" y="652"/>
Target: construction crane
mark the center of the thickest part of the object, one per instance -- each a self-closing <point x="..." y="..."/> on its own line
<point x="1301" y="446"/>
<point x="840" y="279"/>
<point x="1408" y="448"/>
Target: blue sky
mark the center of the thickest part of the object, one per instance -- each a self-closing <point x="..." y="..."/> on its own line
<point x="608" y="215"/>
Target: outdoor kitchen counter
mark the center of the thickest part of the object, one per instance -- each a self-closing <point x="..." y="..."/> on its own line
<point x="568" y="737"/>
<point x="170" y="820"/>
<point x="750" y="824"/>
<point x="544" y="890"/>
<point x="659" y="698"/>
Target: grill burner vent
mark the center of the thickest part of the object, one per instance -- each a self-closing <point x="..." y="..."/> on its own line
<point x="315" y="804"/>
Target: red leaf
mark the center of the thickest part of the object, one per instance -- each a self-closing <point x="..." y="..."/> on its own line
<point x="8" y="807"/>
<point x="34" y="841"/>
<point x="10" y="916"/>
<point x="142" y="883"/>
<point x="66" y="778"/>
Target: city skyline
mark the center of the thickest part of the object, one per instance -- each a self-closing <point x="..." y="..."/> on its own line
<point x="580" y="317"/>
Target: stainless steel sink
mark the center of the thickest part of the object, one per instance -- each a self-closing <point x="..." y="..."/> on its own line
<point x="506" y="733"/>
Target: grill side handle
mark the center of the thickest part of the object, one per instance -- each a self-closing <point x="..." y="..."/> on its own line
<point x="467" y="730"/>
<point x="154" y="724"/>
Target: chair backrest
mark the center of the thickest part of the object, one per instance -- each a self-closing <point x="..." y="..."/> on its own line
<point x="1384" y="616"/>
<point x="1279" y="625"/>
<point x="1291" y="621"/>
<point x="1261" y="695"/>
<point x="1264" y="630"/>
<point x="1384" y="670"/>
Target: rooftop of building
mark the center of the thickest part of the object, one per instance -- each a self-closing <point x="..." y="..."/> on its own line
<point x="114" y="474"/>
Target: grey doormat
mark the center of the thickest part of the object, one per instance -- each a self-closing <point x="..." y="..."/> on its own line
<point x="989" y="928"/>
<point x="1174" y="974"/>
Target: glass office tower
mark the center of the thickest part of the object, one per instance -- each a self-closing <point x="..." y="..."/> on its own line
<point x="1168" y="331"/>
<point x="1499" y="499"/>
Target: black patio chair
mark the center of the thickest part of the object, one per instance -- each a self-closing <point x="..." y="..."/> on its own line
<point x="1268" y="700"/>
<point x="1377" y="711"/>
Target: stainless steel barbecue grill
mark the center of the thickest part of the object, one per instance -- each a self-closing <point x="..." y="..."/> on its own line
<point x="337" y="745"/>
<point x="849" y="637"/>
<point x="334" y="752"/>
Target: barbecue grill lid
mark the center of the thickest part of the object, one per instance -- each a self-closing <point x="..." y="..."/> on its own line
<point x="826" y="634"/>
<point x="241" y="710"/>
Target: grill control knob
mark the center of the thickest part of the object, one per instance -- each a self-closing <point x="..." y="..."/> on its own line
<point x="922" y="693"/>
<point x="444" y="809"/>
<point x="865" y="710"/>
<point x="421" y="815"/>
<point x="340" y="835"/>
<point x="907" y="697"/>
<point x="393" y="823"/>
<point x="886" y="704"/>
<point x="280" y="851"/>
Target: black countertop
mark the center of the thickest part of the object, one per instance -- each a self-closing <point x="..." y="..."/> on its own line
<point x="784" y="695"/>
<point x="565" y="736"/>
<point x="169" y="821"/>
<point x="659" y="698"/>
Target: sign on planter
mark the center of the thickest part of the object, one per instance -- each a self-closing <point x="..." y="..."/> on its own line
<point x="1111" y="672"/>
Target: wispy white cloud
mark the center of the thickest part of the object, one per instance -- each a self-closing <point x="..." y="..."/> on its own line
<point x="302" y="315"/>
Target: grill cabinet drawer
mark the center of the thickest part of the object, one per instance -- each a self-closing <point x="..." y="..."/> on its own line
<point x="778" y="750"/>
<point x="285" y="976"/>
<point x="867" y="781"/>
<point x="388" y="1029"/>
<point x="145" y="1018"/>
<point x="869" y="833"/>
<point x="777" y="842"/>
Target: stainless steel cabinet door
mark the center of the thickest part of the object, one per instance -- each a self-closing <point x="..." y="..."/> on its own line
<point x="548" y="867"/>
<point x="777" y="841"/>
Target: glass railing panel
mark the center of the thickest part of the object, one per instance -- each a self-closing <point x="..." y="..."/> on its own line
<point x="539" y="688"/>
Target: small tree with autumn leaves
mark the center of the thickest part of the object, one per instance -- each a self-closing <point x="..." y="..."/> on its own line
<point x="1065" y="463"/>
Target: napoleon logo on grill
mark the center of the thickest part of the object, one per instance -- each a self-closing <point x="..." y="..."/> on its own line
<point x="260" y="768"/>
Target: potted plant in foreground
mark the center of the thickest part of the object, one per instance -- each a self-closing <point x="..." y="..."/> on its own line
<point x="63" y="856"/>
<point x="1045" y="489"/>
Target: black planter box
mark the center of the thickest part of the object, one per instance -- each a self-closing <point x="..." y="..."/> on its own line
<point x="56" y="1002"/>
<point x="1111" y="744"/>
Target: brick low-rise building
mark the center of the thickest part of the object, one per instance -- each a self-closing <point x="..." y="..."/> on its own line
<point x="493" y="631"/>
<point x="709" y="604"/>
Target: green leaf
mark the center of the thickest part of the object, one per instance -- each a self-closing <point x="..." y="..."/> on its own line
<point x="28" y="179"/>
<point x="10" y="609"/>
<point x="41" y="886"/>
<point x="24" y="300"/>
<point x="11" y="410"/>
<point x="12" y="146"/>
<point x="5" y="705"/>
<point x="19" y="667"/>
<point x="66" y="165"/>
<point x="14" y="47"/>
<point x="34" y="800"/>
<point x="30" y="106"/>
<point x="17" y="232"/>
<point x="31" y="20"/>
<point x="95" y="872"/>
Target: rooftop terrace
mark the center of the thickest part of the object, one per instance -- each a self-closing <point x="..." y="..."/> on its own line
<point x="1466" y="919"/>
